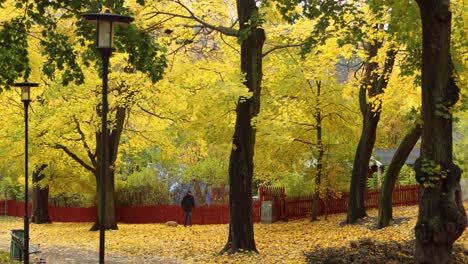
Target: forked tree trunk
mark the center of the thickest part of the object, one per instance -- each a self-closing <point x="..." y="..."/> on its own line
<point x="391" y="175"/>
<point x="241" y="232"/>
<point x="40" y="198"/>
<point x="442" y="218"/>
<point x="113" y="145"/>
<point x="374" y="83"/>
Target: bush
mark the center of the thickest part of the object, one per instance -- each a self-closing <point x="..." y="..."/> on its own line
<point x="373" y="182"/>
<point x="5" y="258"/>
<point x="71" y="200"/>
<point x="295" y="184"/>
<point x="407" y="176"/>
<point x="142" y="188"/>
<point x="10" y="189"/>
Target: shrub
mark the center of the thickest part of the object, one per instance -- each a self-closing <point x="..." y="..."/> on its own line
<point x="142" y="188"/>
<point x="11" y="189"/>
<point x="72" y="200"/>
<point x="407" y="176"/>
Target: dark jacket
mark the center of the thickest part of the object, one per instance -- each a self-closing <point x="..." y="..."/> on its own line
<point x="188" y="203"/>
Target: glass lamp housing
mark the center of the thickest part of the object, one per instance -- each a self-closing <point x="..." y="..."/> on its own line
<point x="26" y="90"/>
<point x="105" y="27"/>
<point x="25" y="93"/>
<point x="105" y="35"/>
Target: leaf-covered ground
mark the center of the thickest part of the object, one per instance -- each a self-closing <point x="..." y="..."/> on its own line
<point x="283" y="242"/>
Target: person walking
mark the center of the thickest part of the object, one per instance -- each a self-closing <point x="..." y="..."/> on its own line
<point x="188" y="203"/>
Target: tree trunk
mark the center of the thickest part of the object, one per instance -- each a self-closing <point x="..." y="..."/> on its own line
<point x="377" y="83"/>
<point x="110" y="219"/>
<point x="385" y="197"/>
<point x="40" y="198"/>
<point x="113" y="145"/>
<point x="321" y="151"/>
<point x="316" y="198"/>
<point x="198" y="193"/>
<point x="442" y="218"/>
<point x="241" y="232"/>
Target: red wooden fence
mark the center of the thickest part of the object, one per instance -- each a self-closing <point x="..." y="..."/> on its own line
<point x="300" y="207"/>
<point x="214" y="214"/>
<point x="3" y="207"/>
<point x="294" y="207"/>
<point x="271" y="193"/>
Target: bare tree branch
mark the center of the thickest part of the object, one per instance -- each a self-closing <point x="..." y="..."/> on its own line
<point x="211" y="70"/>
<point x="154" y="114"/>
<point x="281" y="47"/>
<point x="305" y="124"/>
<point x="229" y="45"/>
<point x="303" y="141"/>
<point x="75" y="157"/>
<point x="91" y="155"/>
<point x="222" y="29"/>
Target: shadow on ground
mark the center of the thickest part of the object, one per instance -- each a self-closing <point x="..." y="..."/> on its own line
<point x="368" y="251"/>
<point x="370" y="222"/>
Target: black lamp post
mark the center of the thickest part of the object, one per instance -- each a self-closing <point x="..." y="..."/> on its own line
<point x="104" y="42"/>
<point x="26" y="98"/>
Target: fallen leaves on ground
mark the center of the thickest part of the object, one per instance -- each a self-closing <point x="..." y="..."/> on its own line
<point x="369" y="251"/>
<point x="282" y="242"/>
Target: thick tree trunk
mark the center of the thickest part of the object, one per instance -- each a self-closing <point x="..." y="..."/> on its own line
<point x="385" y="197"/>
<point x="377" y="83"/>
<point x="442" y="218"/>
<point x="40" y="198"/>
<point x="113" y="145"/>
<point x="110" y="219"/>
<point x="356" y="208"/>
<point x="241" y="232"/>
<point x="321" y="152"/>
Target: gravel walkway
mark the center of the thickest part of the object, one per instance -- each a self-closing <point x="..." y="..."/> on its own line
<point x="82" y="256"/>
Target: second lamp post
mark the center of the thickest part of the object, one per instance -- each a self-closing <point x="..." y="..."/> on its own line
<point x="26" y="99"/>
<point x="104" y="43"/>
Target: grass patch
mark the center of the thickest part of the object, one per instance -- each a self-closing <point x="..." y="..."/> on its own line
<point x="7" y="219"/>
<point x="5" y="258"/>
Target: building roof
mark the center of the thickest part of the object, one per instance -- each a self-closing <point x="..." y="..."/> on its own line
<point x="384" y="156"/>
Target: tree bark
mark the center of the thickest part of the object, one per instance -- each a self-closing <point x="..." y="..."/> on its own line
<point x="391" y="175"/>
<point x="442" y="218"/>
<point x="40" y="198"/>
<point x="114" y="135"/>
<point x="374" y="83"/>
<point x="321" y="152"/>
<point x="241" y="232"/>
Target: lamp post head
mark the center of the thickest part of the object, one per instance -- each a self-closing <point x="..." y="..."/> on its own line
<point x="105" y="26"/>
<point x="26" y="90"/>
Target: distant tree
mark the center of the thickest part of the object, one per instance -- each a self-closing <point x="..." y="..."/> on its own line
<point x="40" y="197"/>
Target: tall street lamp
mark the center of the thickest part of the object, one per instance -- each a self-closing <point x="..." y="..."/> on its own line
<point x="26" y="98"/>
<point x="104" y="43"/>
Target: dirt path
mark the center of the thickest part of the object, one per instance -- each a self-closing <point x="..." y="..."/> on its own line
<point x="72" y="255"/>
<point x="66" y="255"/>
